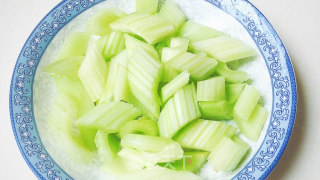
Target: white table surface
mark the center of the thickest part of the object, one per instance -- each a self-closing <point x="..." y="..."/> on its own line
<point x="296" y="21"/>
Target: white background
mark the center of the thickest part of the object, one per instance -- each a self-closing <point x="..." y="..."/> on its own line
<point x="296" y="21"/>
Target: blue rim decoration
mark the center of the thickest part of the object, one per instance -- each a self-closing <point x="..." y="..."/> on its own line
<point x="271" y="47"/>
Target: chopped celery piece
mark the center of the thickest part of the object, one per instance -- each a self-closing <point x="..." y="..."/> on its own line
<point x="151" y="28"/>
<point x="88" y="136"/>
<point x="132" y="43"/>
<point x="101" y="43"/>
<point x="252" y="128"/>
<point x="60" y="122"/>
<point x="246" y="103"/>
<point x="218" y="110"/>
<point x="228" y="154"/>
<point x="191" y="161"/>
<point x="174" y="86"/>
<point x="68" y="66"/>
<point x="99" y="23"/>
<point x="179" y="111"/>
<point x="199" y="66"/>
<point x="141" y="126"/>
<point x="169" y="74"/>
<point x="114" y="45"/>
<point x="169" y="53"/>
<point x="172" y="13"/>
<point x="144" y="75"/>
<point x="157" y="173"/>
<point x="67" y="85"/>
<point x="204" y="134"/>
<point x="224" y="48"/>
<point x="117" y="87"/>
<point x="160" y="148"/>
<point x="198" y="32"/>
<point x="109" y="117"/>
<point x="74" y="45"/>
<point x="179" y="42"/>
<point x="93" y="71"/>
<point x="233" y="91"/>
<point x="212" y="89"/>
<point x="231" y="75"/>
<point x="108" y="145"/>
<point x="149" y="6"/>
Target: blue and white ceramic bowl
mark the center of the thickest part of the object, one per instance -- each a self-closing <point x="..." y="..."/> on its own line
<point x="32" y="91"/>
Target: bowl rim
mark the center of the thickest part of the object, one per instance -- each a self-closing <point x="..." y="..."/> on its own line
<point x="52" y="169"/>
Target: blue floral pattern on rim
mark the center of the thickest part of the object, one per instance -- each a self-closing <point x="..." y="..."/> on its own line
<point x="267" y="40"/>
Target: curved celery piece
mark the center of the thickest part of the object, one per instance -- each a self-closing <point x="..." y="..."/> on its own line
<point x="231" y="75"/>
<point x="68" y="66"/>
<point x="74" y="45"/>
<point x="141" y="126"/>
<point x="233" y="91"/>
<point x="108" y="146"/>
<point x="197" y="32"/>
<point x="212" y="89"/>
<point x="99" y="23"/>
<point x="228" y="154"/>
<point x="172" y="13"/>
<point x="169" y="53"/>
<point x="174" y="86"/>
<point x="224" y="48"/>
<point x="179" y="42"/>
<point x="246" y="103"/>
<point x="114" y="45"/>
<point x="149" y="6"/>
<point x="218" y="110"/>
<point x="169" y="74"/>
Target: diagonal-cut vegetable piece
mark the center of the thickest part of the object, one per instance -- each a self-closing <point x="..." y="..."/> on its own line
<point x="68" y="66"/>
<point x="224" y="48"/>
<point x="149" y="6"/>
<point x="191" y="161"/>
<point x="172" y="13"/>
<point x="169" y="74"/>
<point x="216" y="110"/>
<point x="117" y="87"/>
<point x="169" y="53"/>
<point x="179" y="111"/>
<point x="141" y="126"/>
<point x="204" y="134"/>
<point x="212" y="89"/>
<point x="233" y="91"/>
<point x="252" y="128"/>
<point x="246" y="103"/>
<point x="179" y="42"/>
<point x="174" y="86"/>
<point x="151" y="28"/>
<point x="93" y="71"/>
<point x="74" y="45"/>
<point x="109" y="117"/>
<point x="228" y="154"/>
<point x="99" y="23"/>
<point x="199" y="66"/>
<point x="114" y="45"/>
<point x="132" y="43"/>
<point x="231" y="75"/>
<point x="108" y="145"/>
<point x="198" y="32"/>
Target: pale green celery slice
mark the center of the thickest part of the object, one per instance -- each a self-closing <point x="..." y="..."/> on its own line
<point x="132" y="43"/>
<point x="233" y="91"/>
<point x="151" y="28"/>
<point x="179" y="111"/>
<point x="114" y="45"/>
<point x="169" y="53"/>
<point x="101" y="43"/>
<point x="231" y="75"/>
<point x="212" y="89"/>
<point x="179" y="42"/>
<point x="144" y="75"/>
<point x="159" y="149"/>
<point x="149" y="6"/>
<point x="93" y="71"/>
<point x="191" y="161"/>
<point x="74" y="45"/>
<point x="117" y="87"/>
<point x="61" y="118"/>
<point x="217" y="110"/>
<point x="108" y="146"/>
<point x="174" y="86"/>
<point x="228" y="154"/>
<point x="199" y="66"/>
<point x="68" y="66"/>
<point x="88" y="135"/>
<point x="141" y="126"/>
<point x="109" y="117"/>
<point x="172" y="13"/>
<point x="99" y="24"/>
<point x="246" y="103"/>
<point x="169" y="74"/>
<point x="252" y="128"/>
<point x="204" y="134"/>
<point x="224" y="48"/>
<point x="198" y="32"/>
